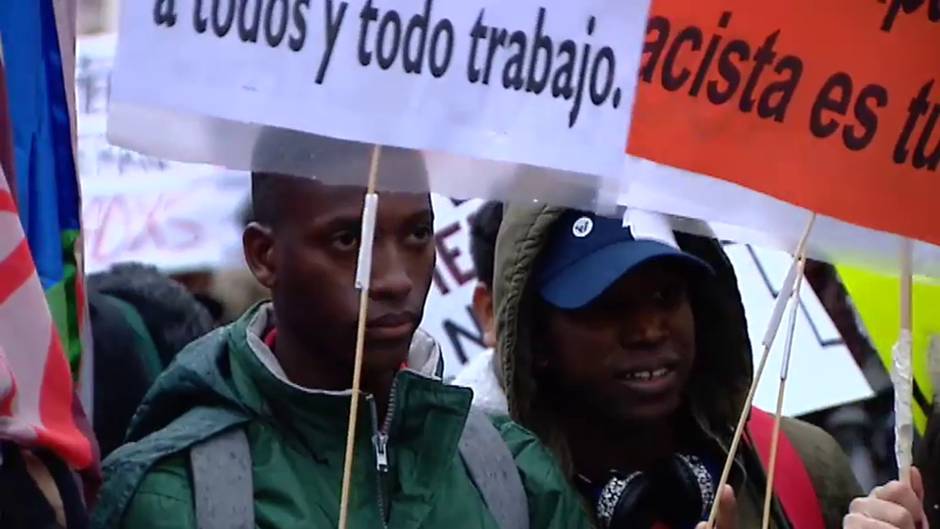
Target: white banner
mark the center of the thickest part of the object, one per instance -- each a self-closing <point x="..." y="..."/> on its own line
<point x="762" y="220"/>
<point x="522" y="85"/>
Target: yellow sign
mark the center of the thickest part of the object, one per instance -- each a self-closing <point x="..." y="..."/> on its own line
<point x="877" y="299"/>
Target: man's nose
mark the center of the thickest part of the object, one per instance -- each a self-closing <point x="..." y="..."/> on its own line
<point x="644" y="328"/>
<point x="390" y="277"/>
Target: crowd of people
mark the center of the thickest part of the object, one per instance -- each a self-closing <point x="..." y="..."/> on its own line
<point x="617" y="368"/>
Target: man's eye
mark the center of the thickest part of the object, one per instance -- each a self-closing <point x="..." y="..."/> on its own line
<point x="346" y="240"/>
<point x="422" y="233"/>
<point x="669" y="296"/>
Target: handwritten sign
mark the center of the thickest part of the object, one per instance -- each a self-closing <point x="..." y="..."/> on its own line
<point x="138" y="208"/>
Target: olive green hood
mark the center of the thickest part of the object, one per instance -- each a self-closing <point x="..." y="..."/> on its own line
<point x="717" y="389"/>
<point x="723" y="366"/>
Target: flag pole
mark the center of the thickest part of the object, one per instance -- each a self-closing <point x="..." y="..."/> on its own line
<point x="778" y="414"/>
<point x="363" y="273"/>
<point x="902" y="374"/>
<point x="776" y="317"/>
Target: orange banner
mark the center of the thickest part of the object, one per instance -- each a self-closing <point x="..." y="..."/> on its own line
<point x="832" y="105"/>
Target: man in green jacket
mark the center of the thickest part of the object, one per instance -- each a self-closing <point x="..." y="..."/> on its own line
<point x="629" y="357"/>
<point x="277" y="380"/>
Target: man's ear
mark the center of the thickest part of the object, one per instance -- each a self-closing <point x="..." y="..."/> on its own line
<point x="483" y="307"/>
<point x="258" y="244"/>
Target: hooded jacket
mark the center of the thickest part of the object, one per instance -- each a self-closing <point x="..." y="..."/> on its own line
<point x="230" y="379"/>
<point x="716" y="391"/>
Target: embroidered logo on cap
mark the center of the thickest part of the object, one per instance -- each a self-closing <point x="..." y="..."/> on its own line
<point x="582" y="227"/>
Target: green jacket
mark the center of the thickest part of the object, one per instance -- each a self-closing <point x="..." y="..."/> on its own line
<point x="297" y="439"/>
<point x="716" y="391"/>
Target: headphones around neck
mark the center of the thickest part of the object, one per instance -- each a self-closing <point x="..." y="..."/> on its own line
<point x="678" y="491"/>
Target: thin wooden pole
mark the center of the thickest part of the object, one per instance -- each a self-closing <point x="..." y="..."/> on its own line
<point x="365" y="259"/>
<point x="778" y="414"/>
<point x="775" y="319"/>
<point x="903" y="364"/>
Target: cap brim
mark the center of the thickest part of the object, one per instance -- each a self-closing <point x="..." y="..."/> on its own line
<point x="587" y="278"/>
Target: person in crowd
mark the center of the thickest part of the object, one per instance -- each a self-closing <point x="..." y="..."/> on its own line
<point x="927" y="457"/>
<point x="484" y="227"/>
<point x="172" y="315"/>
<point x="630" y="359"/>
<point x="894" y="505"/>
<point x="140" y="319"/>
<point x="248" y="427"/>
<point x="39" y="490"/>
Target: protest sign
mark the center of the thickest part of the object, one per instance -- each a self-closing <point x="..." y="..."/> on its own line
<point x="845" y="125"/>
<point x="508" y="82"/>
<point x="875" y="297"/>
<point x="448" y="315"/>
<point x="173" y="215"/>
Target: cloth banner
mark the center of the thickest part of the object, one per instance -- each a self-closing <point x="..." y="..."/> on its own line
<point x="791" y="107"/>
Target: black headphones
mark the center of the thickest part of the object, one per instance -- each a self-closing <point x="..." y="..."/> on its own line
<point x="678" y="491"/>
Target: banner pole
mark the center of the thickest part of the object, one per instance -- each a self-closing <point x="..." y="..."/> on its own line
<point x="778" y="414"/>
<point x="363" y="273"/>
<point x="776" y="316"/>
<point x="902" y="375"/>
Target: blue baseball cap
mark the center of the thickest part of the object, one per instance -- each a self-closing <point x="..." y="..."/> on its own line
<point x="586" y="254"/>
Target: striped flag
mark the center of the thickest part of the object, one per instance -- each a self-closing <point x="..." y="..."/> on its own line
<point x="40" y="84"/>
<point x="36" y="391"/>
<point x="44" y="332"/>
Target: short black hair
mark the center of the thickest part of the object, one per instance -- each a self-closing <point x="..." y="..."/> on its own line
<point x="173" y="316"/>
<point x="268" y="191"/>
<point x="484" y="227"/>
<point x="280" y="153"/>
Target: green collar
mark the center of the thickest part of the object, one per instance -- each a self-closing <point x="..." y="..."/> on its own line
<point x="318" y="418"/>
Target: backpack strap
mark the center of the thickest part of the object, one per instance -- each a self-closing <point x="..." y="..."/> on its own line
<point x="494" y="472"/>
<point x="222" y="484"/>
<point x="793" y="488"/>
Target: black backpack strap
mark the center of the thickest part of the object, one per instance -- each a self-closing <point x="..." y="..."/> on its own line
<point x="494" y="472"/>
<point x="222" y="485"/>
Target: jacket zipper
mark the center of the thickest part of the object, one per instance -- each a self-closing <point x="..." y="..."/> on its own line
<point x="380" y="444"/>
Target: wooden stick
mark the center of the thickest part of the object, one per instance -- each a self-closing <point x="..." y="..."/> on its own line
<point x="360" y="345"/>
<point x="778" y="414"/>
<point x="903" y="437"/>
<point x="907" y="281"/>
<point x="749" y="399"/>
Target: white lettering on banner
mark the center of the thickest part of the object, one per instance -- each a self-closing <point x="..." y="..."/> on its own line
<point x="524" y="82"/>
<point x="823" y="372"/>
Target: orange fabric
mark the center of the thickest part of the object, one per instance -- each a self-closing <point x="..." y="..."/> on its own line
<point x="792" y="484"/>
<point x="826" y="124"/>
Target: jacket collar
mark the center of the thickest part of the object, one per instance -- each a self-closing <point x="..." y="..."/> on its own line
<point x="320" y="416"/>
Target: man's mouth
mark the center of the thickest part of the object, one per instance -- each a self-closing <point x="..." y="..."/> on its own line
<point x="394" y="326"/>
<point x="650" y="379"/>
<point x="643" y="375"/>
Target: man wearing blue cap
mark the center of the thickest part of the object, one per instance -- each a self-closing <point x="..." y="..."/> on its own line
<point x="624" y="347"/>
